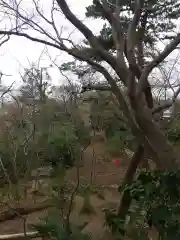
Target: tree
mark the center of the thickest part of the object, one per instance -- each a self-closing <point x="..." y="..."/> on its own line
<point x="130" y="66"/>
<point x="39" y="134"/>
<point x="35" y="86"/>
<point x="159" y="23"/>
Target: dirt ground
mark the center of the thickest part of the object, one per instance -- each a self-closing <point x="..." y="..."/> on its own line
<point x="99" y="169"/>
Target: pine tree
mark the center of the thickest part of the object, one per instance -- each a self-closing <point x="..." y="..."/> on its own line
<point x="160" y="22"/>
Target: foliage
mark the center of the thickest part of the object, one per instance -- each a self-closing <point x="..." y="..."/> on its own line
<point x="39" y="134"/>
<point x="160" y="23"/>
<point x="155" y="202"/>
<point x="61" y="149"/>
<point x="120" y="140"/>
<point x="101" y="113"/>
<point x="173" y="131"/>
<point x="103" y="117"/>
<point x="34" y="86"/>
<point x="57" y="225"/>
<point x="53" y="228"/>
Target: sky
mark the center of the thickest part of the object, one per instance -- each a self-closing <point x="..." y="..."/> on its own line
<point x="19" y="52"/>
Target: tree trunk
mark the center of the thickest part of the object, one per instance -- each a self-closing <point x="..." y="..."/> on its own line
<point x="126" y="198"/>
<point x="162" y="151"/>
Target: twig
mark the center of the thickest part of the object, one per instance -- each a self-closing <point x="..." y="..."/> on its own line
<point x="18" y="214"/>
<point x="5" y="172"/>
<point x="155" y="62"/>
<point x="167" y="104"/>
<point x="73" y="195"/>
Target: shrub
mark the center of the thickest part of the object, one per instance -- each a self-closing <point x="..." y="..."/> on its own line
<point x="119" y="140"/>
<point x="155" y="202"/>
<point x="40" y="135"/>
<point x="54" y="228"/>
<point x="173" y="132"/>
<point x="62" y="147"/>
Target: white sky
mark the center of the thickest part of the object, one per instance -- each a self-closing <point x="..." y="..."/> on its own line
<point x="19" y="52"/>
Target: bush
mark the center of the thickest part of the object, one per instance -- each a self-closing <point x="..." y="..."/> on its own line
<point x="62" y="147"/>
<point x="103" y="118"/>
<point x="173" y="132"/>
<point x="33" y="138"/>
<point x="119" y="140"/>
<point x="53" y="228"/>
<point x="155" y="202"/>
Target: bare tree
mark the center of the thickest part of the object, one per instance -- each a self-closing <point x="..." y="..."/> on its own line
<point x="35" y="87"/>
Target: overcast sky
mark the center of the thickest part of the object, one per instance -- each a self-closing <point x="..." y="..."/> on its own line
<point x="20" y="52"/>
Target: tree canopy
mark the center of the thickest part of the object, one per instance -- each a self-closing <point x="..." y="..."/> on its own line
<point x="160" y="23"/>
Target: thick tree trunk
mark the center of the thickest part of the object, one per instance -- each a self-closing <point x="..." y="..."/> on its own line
<point x="126" y="198"/>
<point x="162" y="151"/>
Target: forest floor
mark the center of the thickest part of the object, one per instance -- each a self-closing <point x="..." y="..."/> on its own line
<point x="98" y="170"/>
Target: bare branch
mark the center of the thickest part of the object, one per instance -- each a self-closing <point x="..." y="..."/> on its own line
<point x="132" y="30"/>
<point x="154" y="63"/>
<point x="6" y="173"/>
<point x="167" y="104"/>
<point x="5" y="40"/>
<point x="7" y="90"/>
<point x="94" y="42"/>
<point x="140" y="47"/>
<point x="135" y="36"/>
<point x="40" y="13"/>
<point x="34" y="39"/>
<point x="117" y="31"/>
